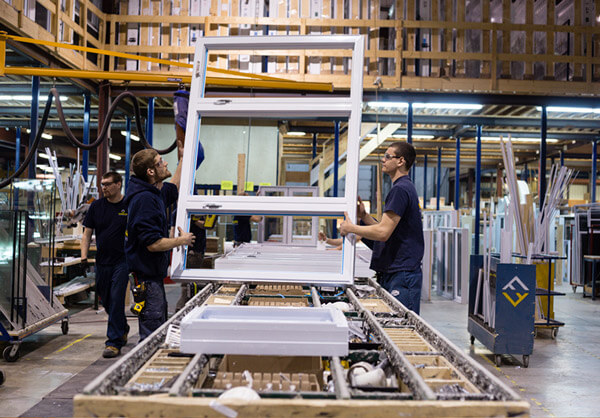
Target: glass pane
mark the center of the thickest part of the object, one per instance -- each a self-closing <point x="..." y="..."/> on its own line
<point x="302" y="229"/>
<point x="271" y="229"/>
<point x="262" y="243"/>
<point x="276" y="64"/>
<point x="267" y="153"/>
<point x="13" y="241"/>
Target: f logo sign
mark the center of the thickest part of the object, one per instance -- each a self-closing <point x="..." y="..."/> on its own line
<point x="518" y="294"/>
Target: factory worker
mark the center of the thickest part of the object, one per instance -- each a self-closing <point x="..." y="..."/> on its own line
<point x="397" y="239"/>
<point x="147" y="243"/>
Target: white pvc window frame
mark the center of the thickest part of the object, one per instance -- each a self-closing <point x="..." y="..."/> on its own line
<point x="287" y="223"/>
<point x="343" y="107"/>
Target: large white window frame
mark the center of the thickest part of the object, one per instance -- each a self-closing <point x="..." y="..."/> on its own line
<point x="344" y="107"/>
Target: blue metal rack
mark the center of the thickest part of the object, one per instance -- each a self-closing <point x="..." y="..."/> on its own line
<point x="514" y="310"/>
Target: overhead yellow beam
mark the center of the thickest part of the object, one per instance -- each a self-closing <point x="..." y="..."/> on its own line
<point x="286" y="84"/>
<point x="165" y="78"/>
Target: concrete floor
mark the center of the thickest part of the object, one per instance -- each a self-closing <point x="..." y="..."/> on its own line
<point x="562" y="379"/>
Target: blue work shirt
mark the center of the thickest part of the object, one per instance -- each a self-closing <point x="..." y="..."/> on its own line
<point x="108" y="220"/>
<point x="147" y="223"/>
<point x="403" y="251"/>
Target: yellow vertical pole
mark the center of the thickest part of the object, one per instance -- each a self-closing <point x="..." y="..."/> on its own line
<point x="2" y="54"/>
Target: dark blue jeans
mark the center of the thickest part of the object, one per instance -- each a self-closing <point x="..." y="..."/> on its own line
<point x="404" y="286"/>
<point x="154" y="313"/>
<point x="111" y="285"/>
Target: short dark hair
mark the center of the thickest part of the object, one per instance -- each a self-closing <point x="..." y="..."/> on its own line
<point x="114" y="177"/>
<point x="142" y="161"/>
<point x="406" y="151"/>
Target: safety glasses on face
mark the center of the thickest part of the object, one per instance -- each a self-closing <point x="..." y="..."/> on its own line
<point x="387" y="156"/>
<point x="106" y="183"/>
<point x="160" y="163"/>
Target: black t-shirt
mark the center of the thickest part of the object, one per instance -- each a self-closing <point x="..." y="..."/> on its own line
<point x="200" y="234"/>
<point x="241" y="229"/>
<point x="109" y="221"/>
<point x="403" y="251"/>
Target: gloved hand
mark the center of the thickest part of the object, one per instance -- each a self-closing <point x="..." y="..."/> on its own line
<point x="85" y="266"/>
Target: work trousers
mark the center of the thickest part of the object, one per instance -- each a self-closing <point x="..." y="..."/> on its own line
<point x="111" y="285"/>
<point x="404" y="286"/>
<point x="154" y="313"/>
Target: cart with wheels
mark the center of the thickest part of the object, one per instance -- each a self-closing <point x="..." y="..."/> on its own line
<point x="503" y="320"/>
<point x="27" y="303"/>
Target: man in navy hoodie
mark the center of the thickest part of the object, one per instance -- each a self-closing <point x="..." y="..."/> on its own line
<point x="147" y="243"/>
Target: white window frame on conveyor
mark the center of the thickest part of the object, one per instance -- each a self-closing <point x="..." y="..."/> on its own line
<point x="279" y="107"/>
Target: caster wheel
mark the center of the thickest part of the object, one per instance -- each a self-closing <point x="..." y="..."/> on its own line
<point x="2" y="377"/>
<point x="554" y="333"/>
<point x="574" y="289"/>
<point x="526" y="361"/>
<point x="472" y="340"/>
<point x="11" y="353"/>
<point x="498" y="359"/>
<point x="64" y="326"/>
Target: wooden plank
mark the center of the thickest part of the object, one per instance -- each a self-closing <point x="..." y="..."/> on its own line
<point x="529" y="38"/>
<point x="549" y="39"/>
<point x="143" y="39"/>
<point x="505" y="71"/>
<point x="154" y="32"/>
<point x="241" y="174"/>
<point x="338" y="63"/>
<point x="485" y="37"/>
<point x="435" y="38"/>
<point x="165" y="33"/>
<point x="91" y="406"/>
<point x="410" y="38"/>
<point x="577" y="41"/>
<point x="460" y="39"/>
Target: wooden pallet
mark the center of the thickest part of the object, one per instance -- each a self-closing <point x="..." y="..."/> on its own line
<point x="159" y="370"/>
<point x="258" y="301"/>
<point x="408" y="339"/>
<point x="439" y="373"/>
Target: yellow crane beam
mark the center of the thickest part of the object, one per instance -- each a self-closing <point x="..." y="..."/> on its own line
<point x="237" y="79"/>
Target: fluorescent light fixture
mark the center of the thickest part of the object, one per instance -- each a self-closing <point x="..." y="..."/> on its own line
<point x="460" y="106"/>
<point x="403" y="136"/>
<point x="26" y="98"/>
<point x="520" y="140"/>
<point x="121" y="171"/>
<point x="46" y="156"/>
<point x="44" y="135"/>
<point x="114" y="157"/>
<point x="296" y="133"/>
<point x="387" y="104"/>
<point x="132" y="136"/>
<point x="568" y="109"/>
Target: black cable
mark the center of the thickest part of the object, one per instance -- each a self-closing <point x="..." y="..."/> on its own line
<point x="34" y="146"/>
<point x="53" y="94"/>
<point x="104" y="131"/>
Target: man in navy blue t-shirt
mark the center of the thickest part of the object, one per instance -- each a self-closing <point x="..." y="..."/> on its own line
<point x="147" y="243"/>
<point x="397" y="240"/>
<point x="108" y="217"/>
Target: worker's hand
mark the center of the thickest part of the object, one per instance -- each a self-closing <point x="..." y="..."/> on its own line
<point x="85" y="266"/>
<point x="187" y="238"/>
<point x="346" y="225"/>
<point x="179" y="150"/>
<point x="361" y="211"/>
<point x="322" y="236"/>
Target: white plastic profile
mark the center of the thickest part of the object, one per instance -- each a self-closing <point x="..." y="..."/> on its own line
<point x="348" y="107"/>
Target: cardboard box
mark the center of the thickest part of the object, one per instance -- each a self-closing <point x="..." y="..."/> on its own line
<point x="278" y="373"/>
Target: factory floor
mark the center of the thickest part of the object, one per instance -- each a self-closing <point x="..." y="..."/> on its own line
<point x="562" y="379"/>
